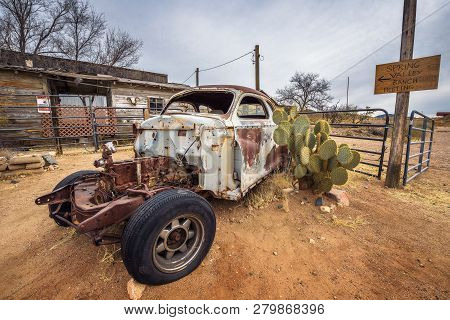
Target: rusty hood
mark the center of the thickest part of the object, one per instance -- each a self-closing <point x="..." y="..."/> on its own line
<point x="181" y="136"/>
<point x="181" y="121"/>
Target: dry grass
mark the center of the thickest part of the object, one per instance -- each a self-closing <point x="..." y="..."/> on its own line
<point x="350" y="223"/>
<point x="268" y="191"/>
<point x="71" y="233"/>
<point x="424" y="191"/>
<point x="109" y="254"/>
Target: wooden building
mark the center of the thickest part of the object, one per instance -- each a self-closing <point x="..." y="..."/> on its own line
<point x="75" y="92"/>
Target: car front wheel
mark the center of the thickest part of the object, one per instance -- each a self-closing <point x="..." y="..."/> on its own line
<point x="168" y="236"/>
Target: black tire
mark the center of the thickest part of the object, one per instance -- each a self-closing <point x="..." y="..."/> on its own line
<point x="143" y="231"/>
<point x="66" y="206"/>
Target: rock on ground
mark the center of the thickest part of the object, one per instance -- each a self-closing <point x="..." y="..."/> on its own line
<point x="340" y="196"/>
<point x="325" y="209"/>
<point x="135" y="289"/>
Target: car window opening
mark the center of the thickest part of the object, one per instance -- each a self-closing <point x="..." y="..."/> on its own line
<point x="252" y="108"/>
<point x="201" y="102"/>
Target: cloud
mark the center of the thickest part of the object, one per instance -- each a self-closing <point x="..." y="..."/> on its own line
<point x="324" y="37"/>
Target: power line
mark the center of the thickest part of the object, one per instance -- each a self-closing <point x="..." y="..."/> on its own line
<point x="390" y="41"/>
<point x="218" y="66"/>
<point x="188" y="78"/>
<point x="225" y="63"/>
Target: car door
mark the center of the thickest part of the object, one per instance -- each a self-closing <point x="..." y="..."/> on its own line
<point x="253" y="125"/>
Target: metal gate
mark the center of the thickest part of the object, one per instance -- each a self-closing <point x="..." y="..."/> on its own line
<point x="24" y="125"/>
<point x="425" y="136"/>
<point x="373" y="155"/>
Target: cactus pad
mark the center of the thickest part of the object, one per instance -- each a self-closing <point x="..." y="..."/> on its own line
<point x="332" y="163"/>
<point x="318" y="176"/>
<point x="344" y="155"/>
<point x="299" y="141"/>
<point x="339" y="176"/>
<point x="286" y="125"/>
<point x="291" y="144"/>
<point x="300" y="171"/>
<point x="324" y="185"/>
<point x="315" y="164"/>
<point x="323" y="137"/>
<point x="356" y="158"/>
<point x="310" y="139"/>
<point x="327" y="149"/>
<point x="301" y="125"/>
<point x="280" y="136"/>
<point x="322" y="126"/>
<point x="279" y="115"/>
<point x="304" y="155"/>
<point x="293" y="112"/>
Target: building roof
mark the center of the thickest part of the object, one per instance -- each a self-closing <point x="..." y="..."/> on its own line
<point x="98" y="77"/>
<point x="12" y="58"/>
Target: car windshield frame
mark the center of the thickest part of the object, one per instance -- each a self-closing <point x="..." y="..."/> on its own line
<point x="179" y="98"/>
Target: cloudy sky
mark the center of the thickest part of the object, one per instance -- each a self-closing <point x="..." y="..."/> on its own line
<point x="324" y="37"/>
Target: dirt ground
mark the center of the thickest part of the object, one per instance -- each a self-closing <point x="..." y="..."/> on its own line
<point x="389" y="244"/>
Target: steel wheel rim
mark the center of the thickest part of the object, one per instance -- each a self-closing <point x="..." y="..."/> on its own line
<point x="178" y="243"/>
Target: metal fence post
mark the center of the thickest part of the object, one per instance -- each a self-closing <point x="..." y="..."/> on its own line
<point x="94" y="128"/>
<point x="422" y="139"/>
<point x="383" y="144"/>
<point x="431" y="143"/>
<point x="55" y="128"/>
<point x="408" y="147"/>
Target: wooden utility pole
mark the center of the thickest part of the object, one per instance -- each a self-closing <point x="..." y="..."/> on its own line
<point x="257" y="67"/>
<point x="402" y="100"/>
<point x="197" y="71"/>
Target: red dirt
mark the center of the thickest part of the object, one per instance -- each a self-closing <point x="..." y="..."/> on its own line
<point x="398" y="248"/>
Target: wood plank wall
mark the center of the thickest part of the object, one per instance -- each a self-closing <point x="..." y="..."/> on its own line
<point x="12" y="85"/>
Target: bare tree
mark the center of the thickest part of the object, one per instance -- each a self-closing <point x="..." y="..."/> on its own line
<point x="27" y="26"/>
<point x="82" y="33"/>
<point x="120" y="49"/>
<point x="66" y="28"/>
<point x="307" y="91"/>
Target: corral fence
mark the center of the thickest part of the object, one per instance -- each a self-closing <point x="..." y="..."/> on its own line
<point x="51" y="125"/>
<point x="420" y="134"/>
<point x="371" y="132"/>
<point x="26" y="126"/>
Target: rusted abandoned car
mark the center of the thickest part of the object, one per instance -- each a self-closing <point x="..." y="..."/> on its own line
<point x="210" y="140"/>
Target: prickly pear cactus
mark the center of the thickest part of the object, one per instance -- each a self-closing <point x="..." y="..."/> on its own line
<point x="315" y="156"/>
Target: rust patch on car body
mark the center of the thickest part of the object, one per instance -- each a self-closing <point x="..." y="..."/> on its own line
<point x="276" y="158"/>
<point x="250" y="142"/>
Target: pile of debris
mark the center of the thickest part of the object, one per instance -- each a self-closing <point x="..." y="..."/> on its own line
<point x="25" y="164"/>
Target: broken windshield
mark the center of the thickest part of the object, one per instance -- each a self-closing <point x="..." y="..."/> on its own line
<point x="217" y="102"/>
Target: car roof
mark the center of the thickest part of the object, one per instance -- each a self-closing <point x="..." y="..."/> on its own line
<point x="234" y="87"/>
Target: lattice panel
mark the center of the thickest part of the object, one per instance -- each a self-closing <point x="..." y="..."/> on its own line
<point x="46" y="122"/>
<point x="110" y="122"/>
<point x="77" y="121"/>
<point x="69" y="126"/>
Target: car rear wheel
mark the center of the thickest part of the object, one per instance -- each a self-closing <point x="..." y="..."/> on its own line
<point x="168" y="236"/>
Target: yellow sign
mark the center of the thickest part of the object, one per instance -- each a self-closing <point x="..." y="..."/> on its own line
<point x="408" y="75"/>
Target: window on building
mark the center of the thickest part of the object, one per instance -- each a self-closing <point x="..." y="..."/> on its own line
<point x="155" y="104"/>
<point x="81" y="100"/>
